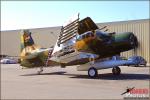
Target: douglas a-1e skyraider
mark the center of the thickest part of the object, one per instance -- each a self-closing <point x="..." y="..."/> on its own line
<point x="83" y="43"/>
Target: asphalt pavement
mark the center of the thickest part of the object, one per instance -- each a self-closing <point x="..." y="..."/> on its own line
<point x="68" y="83"/>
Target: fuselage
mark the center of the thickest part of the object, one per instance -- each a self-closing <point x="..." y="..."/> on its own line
<point x="105" y="44"/>
<point x="94" y="42"/>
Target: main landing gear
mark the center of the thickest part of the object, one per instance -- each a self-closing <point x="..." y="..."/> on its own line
<point x="116" y="71"/>
<point x="92" y="72"/>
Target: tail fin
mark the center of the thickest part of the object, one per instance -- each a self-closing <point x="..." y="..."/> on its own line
<point x="27" y="43"/>
<point x="26" y="39"/>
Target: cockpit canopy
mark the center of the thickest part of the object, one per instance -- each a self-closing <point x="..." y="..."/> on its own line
<point x="99" y="34"/>
<point x="85" y="35"/>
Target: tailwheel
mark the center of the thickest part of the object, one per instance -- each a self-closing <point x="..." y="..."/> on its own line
<point x="92" y="72"/>
<point x="116" y="71"/>
<point x="40" y="71"/>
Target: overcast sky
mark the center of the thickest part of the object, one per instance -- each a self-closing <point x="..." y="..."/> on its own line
<point x="38" y="14"/>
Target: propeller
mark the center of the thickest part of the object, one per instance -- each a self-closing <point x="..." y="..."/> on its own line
<point x="134" y="43"/>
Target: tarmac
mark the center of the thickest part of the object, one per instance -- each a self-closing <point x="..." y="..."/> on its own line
<point x="68" y="83"/>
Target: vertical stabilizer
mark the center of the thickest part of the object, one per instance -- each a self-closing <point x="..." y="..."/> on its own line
<point x="27" y="43"/>
<point x="26" y="39"/>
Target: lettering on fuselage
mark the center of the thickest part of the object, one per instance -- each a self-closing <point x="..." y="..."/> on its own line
<point x="66" y="50"/>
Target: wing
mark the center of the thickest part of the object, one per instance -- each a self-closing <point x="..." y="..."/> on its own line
<point x="37" y="58"/>
<point x="85" y="25"/>
<point x="68" y="34"/>
<point x="68" y="30"/>
<point x="75" y="27"/>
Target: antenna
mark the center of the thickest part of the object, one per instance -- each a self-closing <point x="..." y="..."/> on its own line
<point x="103" y="28"/>
<point x="106" y="30"/>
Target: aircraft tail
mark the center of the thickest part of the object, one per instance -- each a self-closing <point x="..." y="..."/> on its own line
<point x="26" y="39"/>
<point x="27" y="43"/>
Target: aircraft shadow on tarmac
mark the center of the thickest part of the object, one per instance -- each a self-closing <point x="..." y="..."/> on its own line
<point x="107" y="76"/>
<point x="125" y="76"/>
<point x="53" y="73"/>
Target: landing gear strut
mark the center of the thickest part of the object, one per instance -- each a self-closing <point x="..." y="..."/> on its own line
<point x="116" y="71"/>
<point x="40" y="71"/>
<point x="92" y="72"/>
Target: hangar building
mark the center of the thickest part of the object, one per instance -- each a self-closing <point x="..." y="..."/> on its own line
<point x="46" y="37"/>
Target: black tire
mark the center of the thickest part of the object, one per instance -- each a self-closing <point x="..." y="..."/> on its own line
<point x="116" y="71"/>
<point x="92" y="72"/>
<point x="62" y="66"/>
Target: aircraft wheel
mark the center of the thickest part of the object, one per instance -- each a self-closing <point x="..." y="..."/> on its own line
<point x="40" y="71"/>
<point x="92" y="72"/>
<point x="116" y="71"/>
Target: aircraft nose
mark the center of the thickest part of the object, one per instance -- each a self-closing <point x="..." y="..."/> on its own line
<point x="133" y="40"/>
